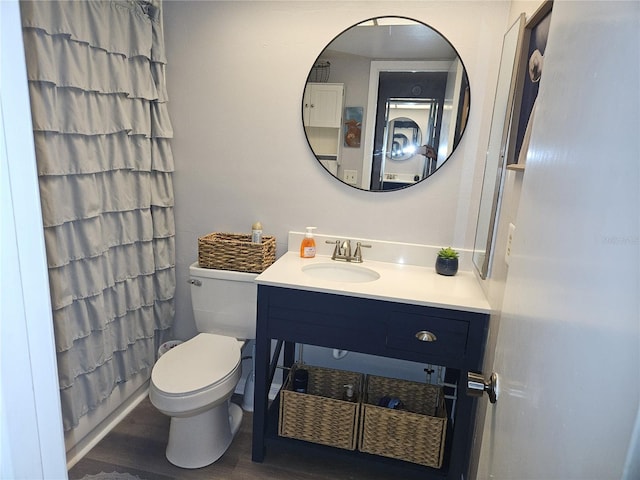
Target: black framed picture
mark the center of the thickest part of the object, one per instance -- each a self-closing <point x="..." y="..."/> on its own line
<point x="530" y="71"/>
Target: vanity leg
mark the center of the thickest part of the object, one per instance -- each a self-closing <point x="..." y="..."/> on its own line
<point x="273" y="365"/>
<point x="289" y="354"/>
<point x="261" y="389"/>
<point x="464" y="423"/>
<point x="260" y="403"/>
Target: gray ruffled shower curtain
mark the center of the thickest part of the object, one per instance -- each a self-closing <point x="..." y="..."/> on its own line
<point x="97" y="84"/>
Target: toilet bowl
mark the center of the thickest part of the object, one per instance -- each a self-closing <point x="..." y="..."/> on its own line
<point x="193" y="383"/>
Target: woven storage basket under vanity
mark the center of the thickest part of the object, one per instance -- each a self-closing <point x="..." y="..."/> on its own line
<point x="320" y="415"/>
<point x="235" y="251"/>
<point x="415" y="434"/>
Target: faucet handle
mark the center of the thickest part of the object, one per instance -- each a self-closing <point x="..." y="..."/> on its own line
<point x="336" y="251"/>
<point x="357" y="257"/>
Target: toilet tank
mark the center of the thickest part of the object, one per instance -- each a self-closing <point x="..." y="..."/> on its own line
<point x="224" y="301"/>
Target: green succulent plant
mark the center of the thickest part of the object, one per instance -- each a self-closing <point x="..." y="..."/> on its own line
<point x="448" y="253"/>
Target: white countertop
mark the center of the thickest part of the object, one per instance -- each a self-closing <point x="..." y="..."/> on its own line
<point x="403" y="283"/>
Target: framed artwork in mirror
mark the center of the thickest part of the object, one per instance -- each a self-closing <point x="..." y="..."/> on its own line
<point x="352" y="126"/>
<point x="530" y="69"/>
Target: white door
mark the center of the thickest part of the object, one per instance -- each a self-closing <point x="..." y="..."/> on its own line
<point x="569" y="337"/>
<point x="323" y="105"/>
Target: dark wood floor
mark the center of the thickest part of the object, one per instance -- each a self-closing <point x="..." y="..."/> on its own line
<point x="137" y="445"/>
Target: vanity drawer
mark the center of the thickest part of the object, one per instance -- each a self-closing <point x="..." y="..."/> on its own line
<point x="334" y="321"/>
<point x="435" y="338"/>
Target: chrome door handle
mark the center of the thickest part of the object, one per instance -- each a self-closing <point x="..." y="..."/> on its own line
<point x="477" y="385"/>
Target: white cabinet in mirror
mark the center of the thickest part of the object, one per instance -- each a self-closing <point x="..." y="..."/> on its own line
<point x="322" y="118"/>
<point x="322" y="105"/>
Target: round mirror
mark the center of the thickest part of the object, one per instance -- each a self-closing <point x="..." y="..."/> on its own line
<point x="386" y="104"/>
<point x="404" y="138"/>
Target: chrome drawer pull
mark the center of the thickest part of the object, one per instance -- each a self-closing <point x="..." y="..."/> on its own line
<point x="426" y="336"/>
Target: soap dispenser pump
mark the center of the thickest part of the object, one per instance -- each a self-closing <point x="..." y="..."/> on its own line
<point x="308" y="244"/>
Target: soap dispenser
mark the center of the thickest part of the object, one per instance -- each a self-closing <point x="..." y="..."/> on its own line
<point x="308" y="244"/>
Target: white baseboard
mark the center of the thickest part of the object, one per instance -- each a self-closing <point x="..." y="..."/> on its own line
<point x="75" y="454"/>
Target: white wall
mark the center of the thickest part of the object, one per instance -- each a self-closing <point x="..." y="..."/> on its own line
<point x="241" y="67"/>
<point x="31" y="441"/>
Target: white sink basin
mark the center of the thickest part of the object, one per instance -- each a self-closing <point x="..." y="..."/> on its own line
<point x="341" y="272"/>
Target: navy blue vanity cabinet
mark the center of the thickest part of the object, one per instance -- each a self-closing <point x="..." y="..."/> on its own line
<point x="384" y="328"/>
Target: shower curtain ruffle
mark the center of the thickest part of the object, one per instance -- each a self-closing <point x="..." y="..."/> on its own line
<point x="75" y="112"/>
<point x="97" y="385"/>
<point x="110" y="73"/>
<point x="86" y="196"/>
<point x="94" y="236"/>
<point x="102" y="134"/>
<point x="101" y="153"/>
<point x="120" y="27"/>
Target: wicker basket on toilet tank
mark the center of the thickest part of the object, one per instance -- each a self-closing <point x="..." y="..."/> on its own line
<point x="235" y="251"/>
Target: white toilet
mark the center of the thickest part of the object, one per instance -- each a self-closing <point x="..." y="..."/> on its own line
<point x="193" y="382"/>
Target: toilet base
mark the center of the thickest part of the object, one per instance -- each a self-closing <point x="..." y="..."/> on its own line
<point x="200" y="440"/>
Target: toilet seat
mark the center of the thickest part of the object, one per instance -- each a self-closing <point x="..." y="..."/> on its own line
<point x="197" y="365"/>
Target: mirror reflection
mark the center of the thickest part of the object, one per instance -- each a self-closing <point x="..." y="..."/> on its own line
<point x="403" y="138"/>
<point x="385" y="104"/>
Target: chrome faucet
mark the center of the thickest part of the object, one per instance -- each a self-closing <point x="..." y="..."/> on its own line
<point x="342" y="252"/>
<point x="346" y="249"/>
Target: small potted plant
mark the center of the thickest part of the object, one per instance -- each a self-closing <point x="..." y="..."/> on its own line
<point x="447" y="262"/>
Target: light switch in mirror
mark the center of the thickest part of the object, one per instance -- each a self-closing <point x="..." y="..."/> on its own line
<point x="412" y="93"/>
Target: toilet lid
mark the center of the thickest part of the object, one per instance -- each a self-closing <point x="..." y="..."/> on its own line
<point x="196" y="364"/>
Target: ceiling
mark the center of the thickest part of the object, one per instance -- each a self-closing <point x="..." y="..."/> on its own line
<point x="399" y="42"/>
